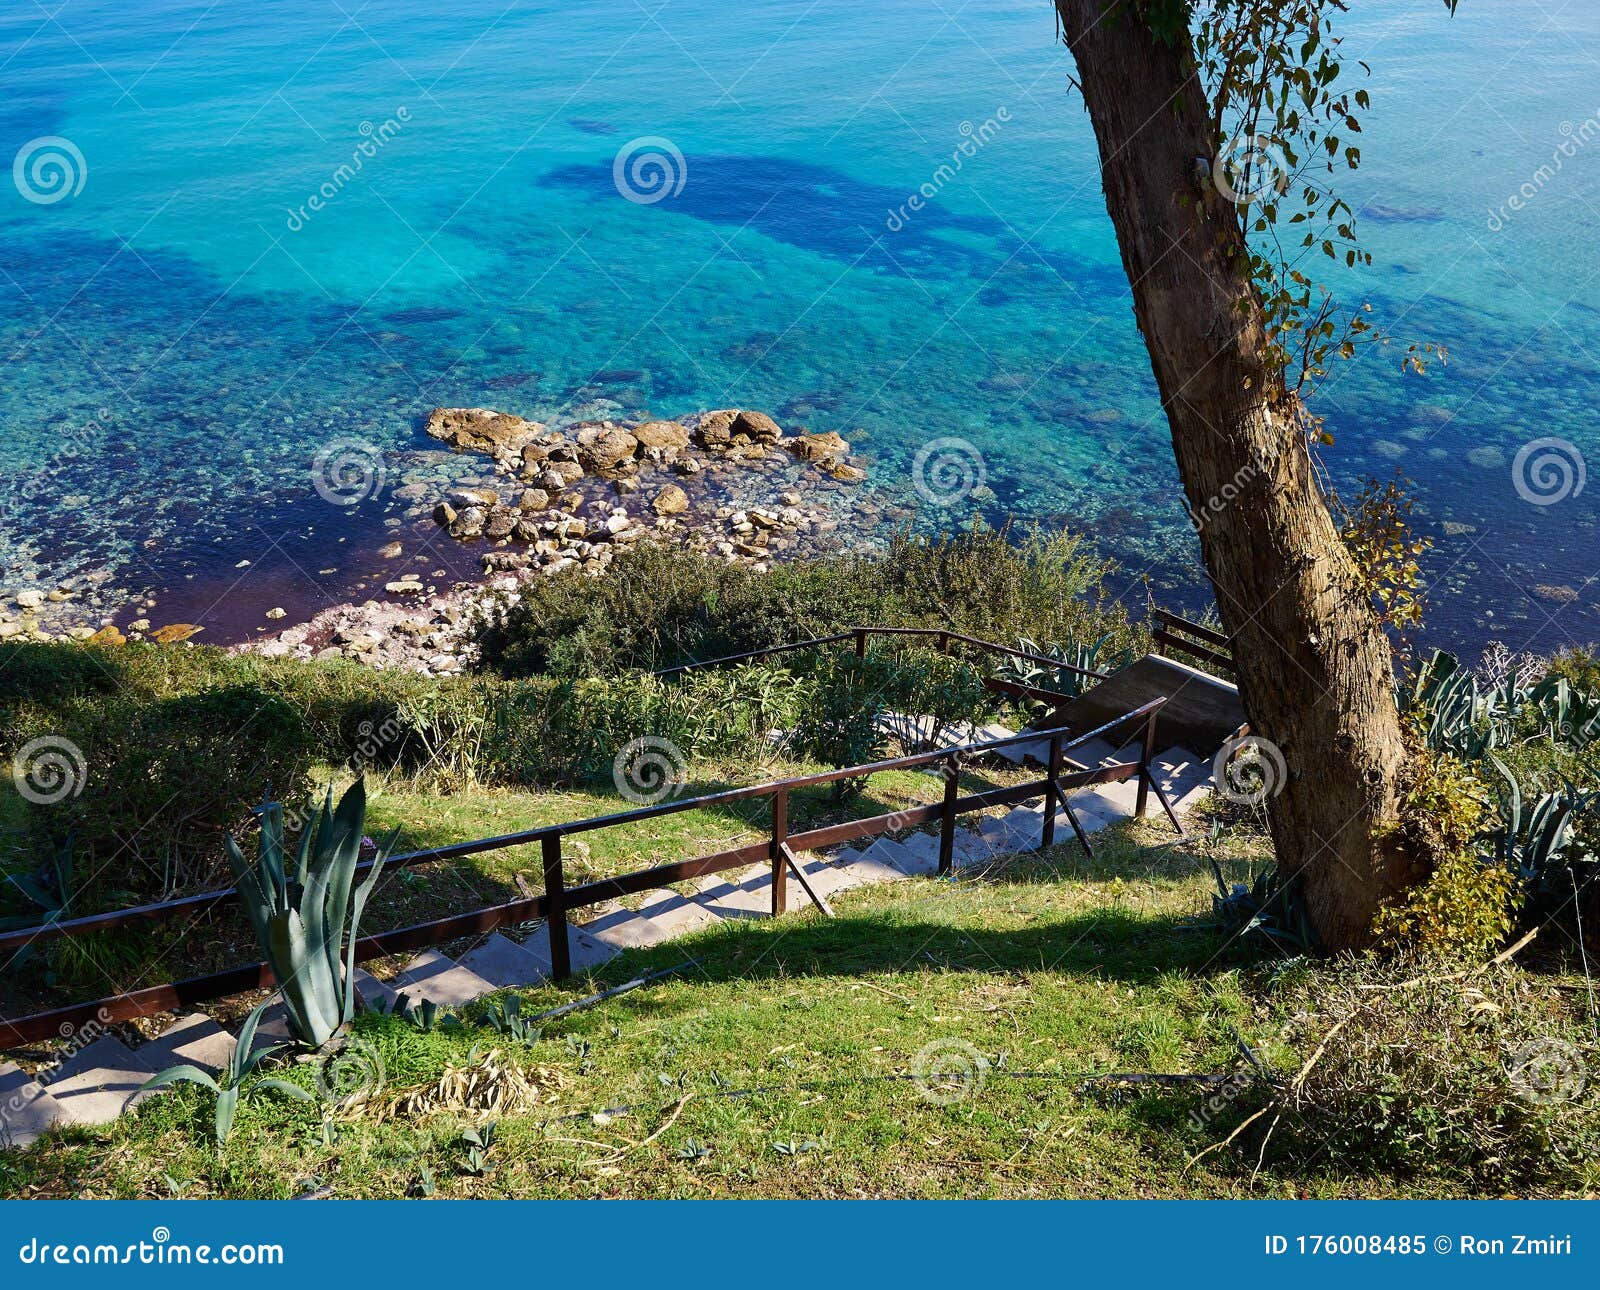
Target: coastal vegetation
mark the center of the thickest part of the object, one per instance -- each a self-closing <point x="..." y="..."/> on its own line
<point x="1437" y="1064"/>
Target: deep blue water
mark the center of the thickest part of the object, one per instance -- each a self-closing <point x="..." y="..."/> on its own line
<point x="185" y="332"/>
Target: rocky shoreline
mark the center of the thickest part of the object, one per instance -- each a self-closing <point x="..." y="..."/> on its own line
<point x="729" y="483"/>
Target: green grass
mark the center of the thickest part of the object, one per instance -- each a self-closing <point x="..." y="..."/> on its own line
<point x="792" y="1041"/>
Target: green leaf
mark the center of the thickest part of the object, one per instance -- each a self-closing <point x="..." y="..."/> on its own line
<point x="288" y="1089"/>
<point x="181" y="1075"/>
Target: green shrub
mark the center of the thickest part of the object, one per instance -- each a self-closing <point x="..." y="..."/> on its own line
<point x="1464" y="905"/>
<point x="164" y="780"/>
<point x="658" y="607"/>
<point x="1580" y="666"/>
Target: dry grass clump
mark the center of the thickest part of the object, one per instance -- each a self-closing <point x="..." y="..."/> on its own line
<point x="479" y="1091"/>
<point x="1488" y="1073"/>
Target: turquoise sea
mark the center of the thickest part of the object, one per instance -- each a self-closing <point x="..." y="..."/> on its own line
<point x="280" y="226"/>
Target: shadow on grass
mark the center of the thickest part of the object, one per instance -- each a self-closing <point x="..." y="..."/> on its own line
<point x="930" y="927"/>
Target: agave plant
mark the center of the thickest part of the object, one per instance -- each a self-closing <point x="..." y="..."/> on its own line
<point x="1532" y="840"/>
<point x="1062" y="678"/>
<point x="231" y="1086"/>
<point x="306" y="923"/>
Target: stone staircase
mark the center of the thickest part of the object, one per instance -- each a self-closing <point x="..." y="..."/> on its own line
<point x="99" y="1080"/>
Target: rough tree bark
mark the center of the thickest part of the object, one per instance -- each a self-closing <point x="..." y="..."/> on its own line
<point x="1315" y="669"/>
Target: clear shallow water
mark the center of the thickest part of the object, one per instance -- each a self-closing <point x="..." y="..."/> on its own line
<point x="185" y="333"/>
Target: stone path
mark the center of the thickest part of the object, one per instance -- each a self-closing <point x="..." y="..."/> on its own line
<point x="99" y="1080"/>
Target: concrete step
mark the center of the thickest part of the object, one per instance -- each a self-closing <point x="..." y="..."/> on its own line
<point x="827" y="877"/>
<point x="504" y="964"/>
<point x="887" y="852"/>
<point x="863" y="868"/>
<point x="374" y="995"/>
<point x="1120" y="799"/>
<point x="26" y="1109"/>
<point x="663" y="916"/>
<point x="742" y="893"/>
<point x="583" y="950"/>
<point x="441" y="980"/>
<point x="973" y="850"/>
<point x="1092" y="754"/>
<point x="98" y="1082"/>
<point x="1185" y="776"/>
<point x="1018" y="830"/>
<point x="921" y="853"/>
<point x="194" y="1040"/>
<point x="1037" y="750"/>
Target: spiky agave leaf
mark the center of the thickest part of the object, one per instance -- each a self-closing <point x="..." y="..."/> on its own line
<point x="357" y="908"/>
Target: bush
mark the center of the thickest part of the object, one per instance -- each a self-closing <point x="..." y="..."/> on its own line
<point x="1461" y="904"/>
<point x="164" y="780"/>
<point x="658" y="607"/>
<point x="1479" y="1076"/>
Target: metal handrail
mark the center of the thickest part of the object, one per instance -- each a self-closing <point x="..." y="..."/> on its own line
<point x="162" y="910"/>
<point x="860" y="634"/>
<point x="556" y="900"/>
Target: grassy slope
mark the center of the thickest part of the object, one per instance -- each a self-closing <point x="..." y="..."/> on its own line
<point x="128" y="960"/>
<point x="1057" y="965"/>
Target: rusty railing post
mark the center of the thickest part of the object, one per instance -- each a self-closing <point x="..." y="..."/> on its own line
<point x="780" y="835"/>
<point x="1052" y="791"/>
<point x="861" y="642"/>
<point x="947" y="818"/>
<point x="1146" y="752"/>
<point x="555" y="916"/>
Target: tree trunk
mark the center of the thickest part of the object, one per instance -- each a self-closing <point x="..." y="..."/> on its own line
<point x="1315" y="669"/>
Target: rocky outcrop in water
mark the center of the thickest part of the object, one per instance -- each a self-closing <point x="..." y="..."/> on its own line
<point x="727" y="481"/>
